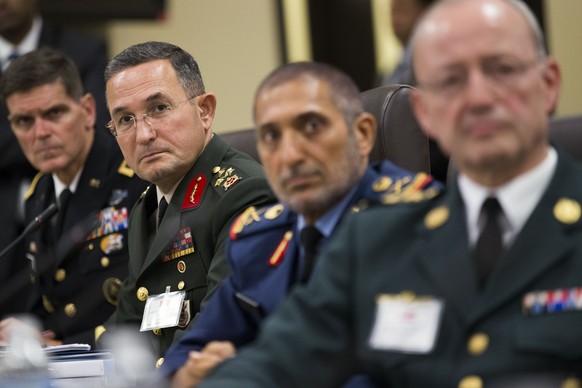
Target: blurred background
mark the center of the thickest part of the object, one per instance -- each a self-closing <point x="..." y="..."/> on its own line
<point x="237" y="42"/>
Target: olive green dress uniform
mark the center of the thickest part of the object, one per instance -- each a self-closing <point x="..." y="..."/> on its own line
<point x="523" y="329"/>
<point x="73" y="291"/>
<point x="188" y="251"/>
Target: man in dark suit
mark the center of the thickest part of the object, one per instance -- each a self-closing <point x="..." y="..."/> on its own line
<point x="440" y="293"/>
<point x="314" y="139"/>
<point x="22" y="30"/>
<point x="81" y="169"/>
<point x="162" y="117"/>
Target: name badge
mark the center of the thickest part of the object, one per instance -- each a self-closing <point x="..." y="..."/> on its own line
<point x="162" y="310"/>
<point x="406" y="323"/>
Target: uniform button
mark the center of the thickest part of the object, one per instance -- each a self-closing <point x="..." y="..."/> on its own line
<point x="90" y="246"/>
<point x="105" y="261"/>
<point x="157" y="332"/>
<point x="571" y="382"/>
<point x="70" y="310"/>
<point x="478" y="344"/>
<point x="47" y="304"/>
<point x="471" y="382"/>
<point x="60" y="275"/>
<point x="159" y="362"/>
<point x="142" y="294"/>
<point x="181" y="285"/>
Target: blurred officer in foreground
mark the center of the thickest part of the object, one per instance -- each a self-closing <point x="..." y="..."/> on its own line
<point x="439" y="293"/>
<point x="83" y="172"/>
<point x="314" y="139"/>
<point x="162" y="118"/>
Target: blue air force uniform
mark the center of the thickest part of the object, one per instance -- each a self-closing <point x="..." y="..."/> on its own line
<point x="264" y="255"/>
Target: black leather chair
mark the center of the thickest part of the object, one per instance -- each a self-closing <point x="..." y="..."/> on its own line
<point x="399" y="137"/>
<point x="244" y="140"/>
<point x="566" y="132"/>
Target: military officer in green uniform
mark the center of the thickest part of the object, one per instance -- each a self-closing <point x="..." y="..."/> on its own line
<point x="162" y="117"/>
<point x="478" y="287"/>
<point x="80" y="259"/>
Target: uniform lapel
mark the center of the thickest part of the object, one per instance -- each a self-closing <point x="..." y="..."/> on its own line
<point x="531" y="256"/>
<point x="445" y="254"/>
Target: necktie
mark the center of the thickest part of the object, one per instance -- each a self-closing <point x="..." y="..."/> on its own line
<point x="310" y="238"/>
<point x="162" y="210"/>
<point x="489" y="245"/>
<point x="64" y="199"/>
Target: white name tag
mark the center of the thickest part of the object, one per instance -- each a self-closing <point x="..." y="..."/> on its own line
<point x="406" y="323"/>
<point x="162" y="310"/>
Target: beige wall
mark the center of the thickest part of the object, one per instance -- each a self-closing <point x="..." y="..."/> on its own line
<point x="565" y="42"/>
<point x="235" y="43"/>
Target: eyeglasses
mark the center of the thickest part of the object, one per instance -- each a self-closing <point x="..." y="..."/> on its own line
<point x="156" y="113"/>
<point x="500" y="72"/>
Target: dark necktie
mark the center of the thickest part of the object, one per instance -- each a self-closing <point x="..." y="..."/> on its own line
<point x="162" y="209"/>
<point x="489" y="245"/>
<point x="310" y="238"/>
<point x="64" y="199"/>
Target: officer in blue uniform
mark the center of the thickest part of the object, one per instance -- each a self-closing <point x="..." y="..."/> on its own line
<point x="314" y="140"/>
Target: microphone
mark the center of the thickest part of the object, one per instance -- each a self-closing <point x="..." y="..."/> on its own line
<point x="35" y="224"/>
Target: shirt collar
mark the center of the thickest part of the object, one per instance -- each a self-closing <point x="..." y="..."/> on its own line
<point x="327" y="223"/>
<point x="517" y="198"/>
<point x="60" y="186"/>
<point x="28" y="44"/>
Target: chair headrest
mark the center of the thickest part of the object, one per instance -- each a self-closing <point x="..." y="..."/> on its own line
<point x="567" y="133"/>
<point x="399" y="138"/>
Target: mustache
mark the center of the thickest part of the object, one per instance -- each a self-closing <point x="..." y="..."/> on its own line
<point x="297" y="172"/>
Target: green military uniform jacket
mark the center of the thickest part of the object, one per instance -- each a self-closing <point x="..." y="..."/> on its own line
<point x="524" y="329"/>
<point x="188" y="251"/>
<point x="75" y="288"/>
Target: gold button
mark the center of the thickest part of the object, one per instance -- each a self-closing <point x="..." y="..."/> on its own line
<point x="159" y="362"/>
<point x="157" y="332"/>
<point x="70" y="310"/>
<point x="181" y="285"/>
<point x="99" y="330"/>
<point x="471" y="382"/>
<point x="60" y="275"/>
<point x="142" y="294"/>
<point x="90" y="246"/>
<point x="105" y="261"/>
<point x="571" y="382"/>
<point x="47" y="304"/>
<point x="478" y="343"/>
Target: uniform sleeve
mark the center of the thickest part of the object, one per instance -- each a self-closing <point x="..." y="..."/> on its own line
<point x="221" y="320"/>
<point x="309" y="341"/>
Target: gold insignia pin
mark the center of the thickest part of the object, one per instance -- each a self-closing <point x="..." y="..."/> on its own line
<point x="216" y="169"/>
<point x="181" y="266"/>
<point x="70" y="310"/>
<point x="436" y="217"/>
<point x="60" y="275"/>
<point x="142" y="294"/>
<point x="567" y="211"/>
<point x="382" y="184"/>
<point x="274" y="212"/>
<point x="94" y="182"/>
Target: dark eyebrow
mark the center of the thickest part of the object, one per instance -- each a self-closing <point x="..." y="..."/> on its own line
<point x="153" y="97"/>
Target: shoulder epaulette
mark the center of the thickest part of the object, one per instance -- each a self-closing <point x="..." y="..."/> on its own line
<point x="225" y="177"/>
<point x="406" y="189"/>
<point x="124" y="169"/>
<point x="32" y="186"/>
<point x="253" y="219"/>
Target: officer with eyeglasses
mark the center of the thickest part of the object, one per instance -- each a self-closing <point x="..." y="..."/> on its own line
<point x="162" y="118"/>
<point x="478" y="287"/>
